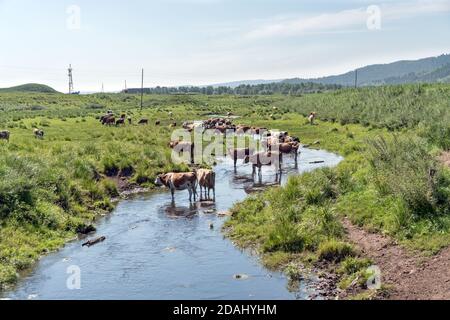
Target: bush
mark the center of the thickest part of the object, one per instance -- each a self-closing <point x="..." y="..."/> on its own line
<point x="353" y="265"/>
<point x="333" y="250"/>
<point x="403" y="167"/>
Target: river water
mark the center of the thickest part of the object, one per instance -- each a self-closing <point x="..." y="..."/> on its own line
<point x="157" y="250"/>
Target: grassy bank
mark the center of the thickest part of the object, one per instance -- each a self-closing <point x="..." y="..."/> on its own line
<point x="52" y="188"/>
<point x="390" y="182"/>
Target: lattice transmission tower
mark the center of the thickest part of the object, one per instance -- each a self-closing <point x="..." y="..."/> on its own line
<point x="70" y="79"/>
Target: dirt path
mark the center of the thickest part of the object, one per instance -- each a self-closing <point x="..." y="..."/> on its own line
<point x="411" y="276"/>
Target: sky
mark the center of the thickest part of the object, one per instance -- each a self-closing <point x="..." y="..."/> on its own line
<point x="199" y="42"/>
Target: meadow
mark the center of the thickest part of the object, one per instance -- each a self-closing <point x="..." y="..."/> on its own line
<point x="389" y="182"/>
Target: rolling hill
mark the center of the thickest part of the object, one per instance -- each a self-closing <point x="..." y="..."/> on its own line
<point x="30" y="87"/>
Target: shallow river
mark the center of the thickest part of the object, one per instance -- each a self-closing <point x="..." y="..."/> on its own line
<point x="154" y="250"/>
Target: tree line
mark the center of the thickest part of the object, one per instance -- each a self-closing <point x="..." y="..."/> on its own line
<point x="260" y="89"/>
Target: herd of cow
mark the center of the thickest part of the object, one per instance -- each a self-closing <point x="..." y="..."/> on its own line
<point x="275" y="145"/>
<point x="109" y="119"/>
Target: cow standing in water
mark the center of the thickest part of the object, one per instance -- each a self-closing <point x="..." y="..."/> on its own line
<point x="269" y="158"/>
<point x="207" y="181"/>
<point x="179" y="181"/>
<point x="239" y="153"/>
<point x="287" y="148"/>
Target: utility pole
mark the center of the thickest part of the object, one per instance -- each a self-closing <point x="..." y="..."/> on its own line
<point x="142" y="89"/>
<point x="356" y="78"/>
<point x="103" y="88"/>
<point x="70" y="80"/>
<point x="126" y="89"/>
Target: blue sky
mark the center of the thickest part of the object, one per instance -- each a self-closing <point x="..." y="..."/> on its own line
<point x="198" y="42"/>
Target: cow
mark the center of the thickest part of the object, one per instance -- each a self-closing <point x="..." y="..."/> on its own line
<point x="143" y="121"/>
<point x="157" y="123"/>
<point x="120" y="121"/>
<point x="287" y="148"/>
<point x="242" y="129"/>
<point x="104" y="118"/>
<point x="183" y="146"/>
<point x="130" y="121"/>
<point x="38" y="134"/>
<point x="179" y="181"/>
<point x="312" y="117"/>
<point x="110" y="121"/>
<point x="173" y="125"/>
<point x="207" y="181"/>
<point x="258" y="160"/>
<point x="4" y="135"/>
<point x="258" y="131"/>
<point x="290" y="139"/>
<point x="188" y="126"/>
<point x="239" y="153"/>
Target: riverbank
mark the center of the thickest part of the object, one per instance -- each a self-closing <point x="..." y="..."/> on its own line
<point x="301" y="224"/>
<point x="54" y="188"/>
<point x="156" y="249"/>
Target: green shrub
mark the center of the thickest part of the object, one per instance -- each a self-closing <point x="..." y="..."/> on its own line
<point x="352" y="265"/>
<point x="333" y="250"/>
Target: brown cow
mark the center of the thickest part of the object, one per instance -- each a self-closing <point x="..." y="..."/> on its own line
<point x="143" y="121"/>
<point x="183" y="146"/>
<point x="120" y="121"/>
<point x="287" y="148"/>
<point x="242" y="129"/>
<point x="258" y="160"/>
<point x="207" y="181"/>
<point x="239" y="153"/>
<point x="110" y="121"/>
<point x="4" y="135"/>
<point x="258" y="131"/>
<point x="104" y="118"/>
<point x="179" y="181"/>
<point x="312" y="117"/>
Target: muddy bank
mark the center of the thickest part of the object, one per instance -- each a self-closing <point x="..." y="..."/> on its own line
<point x="409" y="275"/>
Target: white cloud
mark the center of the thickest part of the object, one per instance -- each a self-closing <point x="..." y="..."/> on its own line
<point x="345" y="20"/>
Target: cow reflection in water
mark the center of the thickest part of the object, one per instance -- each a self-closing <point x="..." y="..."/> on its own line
<point x="174" y="211"/>
<point x="181" y="212"/>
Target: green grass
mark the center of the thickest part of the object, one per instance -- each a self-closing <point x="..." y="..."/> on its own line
<point x="389" y="137"/>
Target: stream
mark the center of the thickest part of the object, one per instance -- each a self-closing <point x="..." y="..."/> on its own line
<point x="159" y="251"/>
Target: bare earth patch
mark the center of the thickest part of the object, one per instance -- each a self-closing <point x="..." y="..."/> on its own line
<point x="412" y="276"/>
<point x="445" y="158"/>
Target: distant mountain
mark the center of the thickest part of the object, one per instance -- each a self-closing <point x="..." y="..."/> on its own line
<point x="434" y="69"/>
<point x="397" y="72"/>
<point x="30" y="87"/>
<point x="439" y="75"/>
